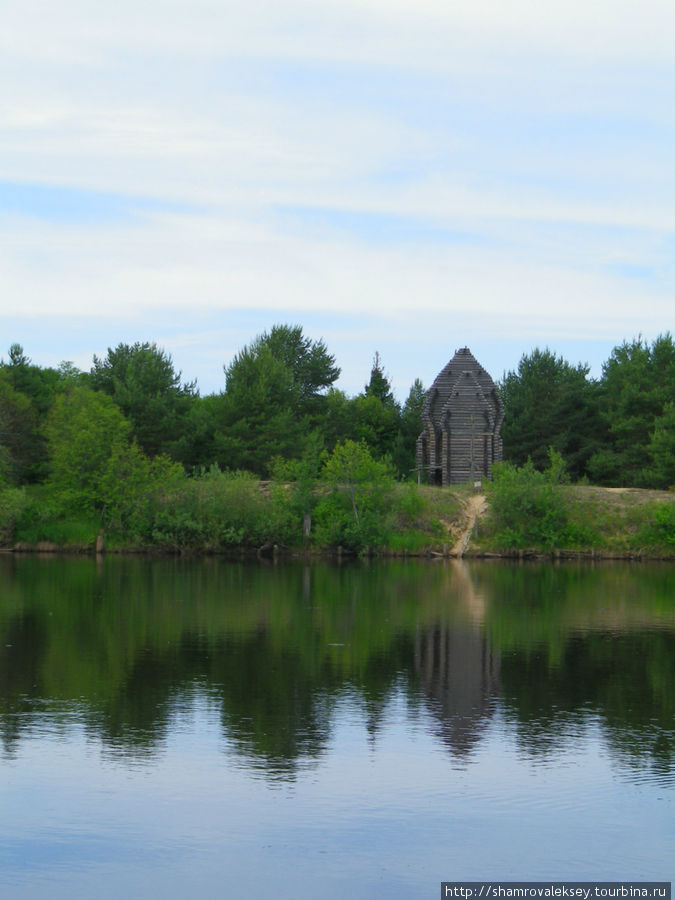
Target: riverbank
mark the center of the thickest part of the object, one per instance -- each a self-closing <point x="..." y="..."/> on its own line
<point x="602" y="523"/>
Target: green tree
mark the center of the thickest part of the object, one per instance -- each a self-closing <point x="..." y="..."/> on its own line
<point x="19" y="437"/>
<point x="379" y="385"/>
<point x="410" y="428"/>
<point x="339" y="420"/>
<point x="638" y="382"/>
<point x="353" y="513"/>
<point x="550" y="403"/>
<point x="257" y="418"/>
<point x="197" y="448"/>
<point x="130" y="486"/>
<point x="375" y="418"/>
<point x="312" y="367"/>
<point x="27" y="393"/>
<point x="39" y="388"/>
<point x="376" y="414"/>
<point x="376" y="424"/>
<point x="17" y="357"/>
<point x="297" y="482"/>
<point x="143" y="383"/>
<point x="274" y="396"/>
<point x="662" y="449"/>
<point x="84" y="430"/>
<point x="40" y="385"/>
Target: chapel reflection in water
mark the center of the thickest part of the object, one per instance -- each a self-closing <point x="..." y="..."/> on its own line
<point x="459" y="676"/>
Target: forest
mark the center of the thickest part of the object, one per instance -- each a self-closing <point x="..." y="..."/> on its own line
<point x="131" y="447"/>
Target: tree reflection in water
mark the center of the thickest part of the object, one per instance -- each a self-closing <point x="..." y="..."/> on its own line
<point x="122" y="646"/>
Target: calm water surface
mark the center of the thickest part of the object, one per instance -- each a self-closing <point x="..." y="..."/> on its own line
<point x="208" y="728"/>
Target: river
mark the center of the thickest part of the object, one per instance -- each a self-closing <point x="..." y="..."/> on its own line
<point x="187" y="728"/>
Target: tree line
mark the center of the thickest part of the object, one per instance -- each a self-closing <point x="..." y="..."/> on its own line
<point x="618" y="430"/>
<point x="133" y="416"/>
<point x="279" y="398"/>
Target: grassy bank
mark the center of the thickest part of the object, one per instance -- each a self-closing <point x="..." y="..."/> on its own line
<point x="586" y="521"/>
<point x="225" y="513"/>
<point x="345" y="502"/>
<point x="240" y="514"/>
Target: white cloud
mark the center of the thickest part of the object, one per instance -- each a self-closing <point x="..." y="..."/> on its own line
<point x="171" y="262"/>
<point x="543" y="130"/>
<point x="79" y="31"/>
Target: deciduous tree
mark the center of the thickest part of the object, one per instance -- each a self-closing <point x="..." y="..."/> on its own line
<point x="84" y="430"/>
<point x="352" y="514"/>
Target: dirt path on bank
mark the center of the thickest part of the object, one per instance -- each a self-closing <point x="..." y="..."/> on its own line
<point x="474" y="507"/>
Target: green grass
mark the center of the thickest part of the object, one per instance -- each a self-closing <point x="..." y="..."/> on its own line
<point x="421" y="518"/>
<point x="63" y="532"/>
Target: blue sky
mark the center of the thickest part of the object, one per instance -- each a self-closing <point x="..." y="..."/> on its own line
<point x="396" y="177"/>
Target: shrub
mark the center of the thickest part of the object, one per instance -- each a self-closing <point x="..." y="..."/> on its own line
<point x="218" y="510"/>
<point x="12" y="505"/>
<point x="355" y="512"/>
<point x="44" y="517"/>
<point x="659" y="530"/>
<point x="527" y="507"/>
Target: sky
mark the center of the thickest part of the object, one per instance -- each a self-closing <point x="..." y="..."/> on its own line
<point x="397" y="177"/>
